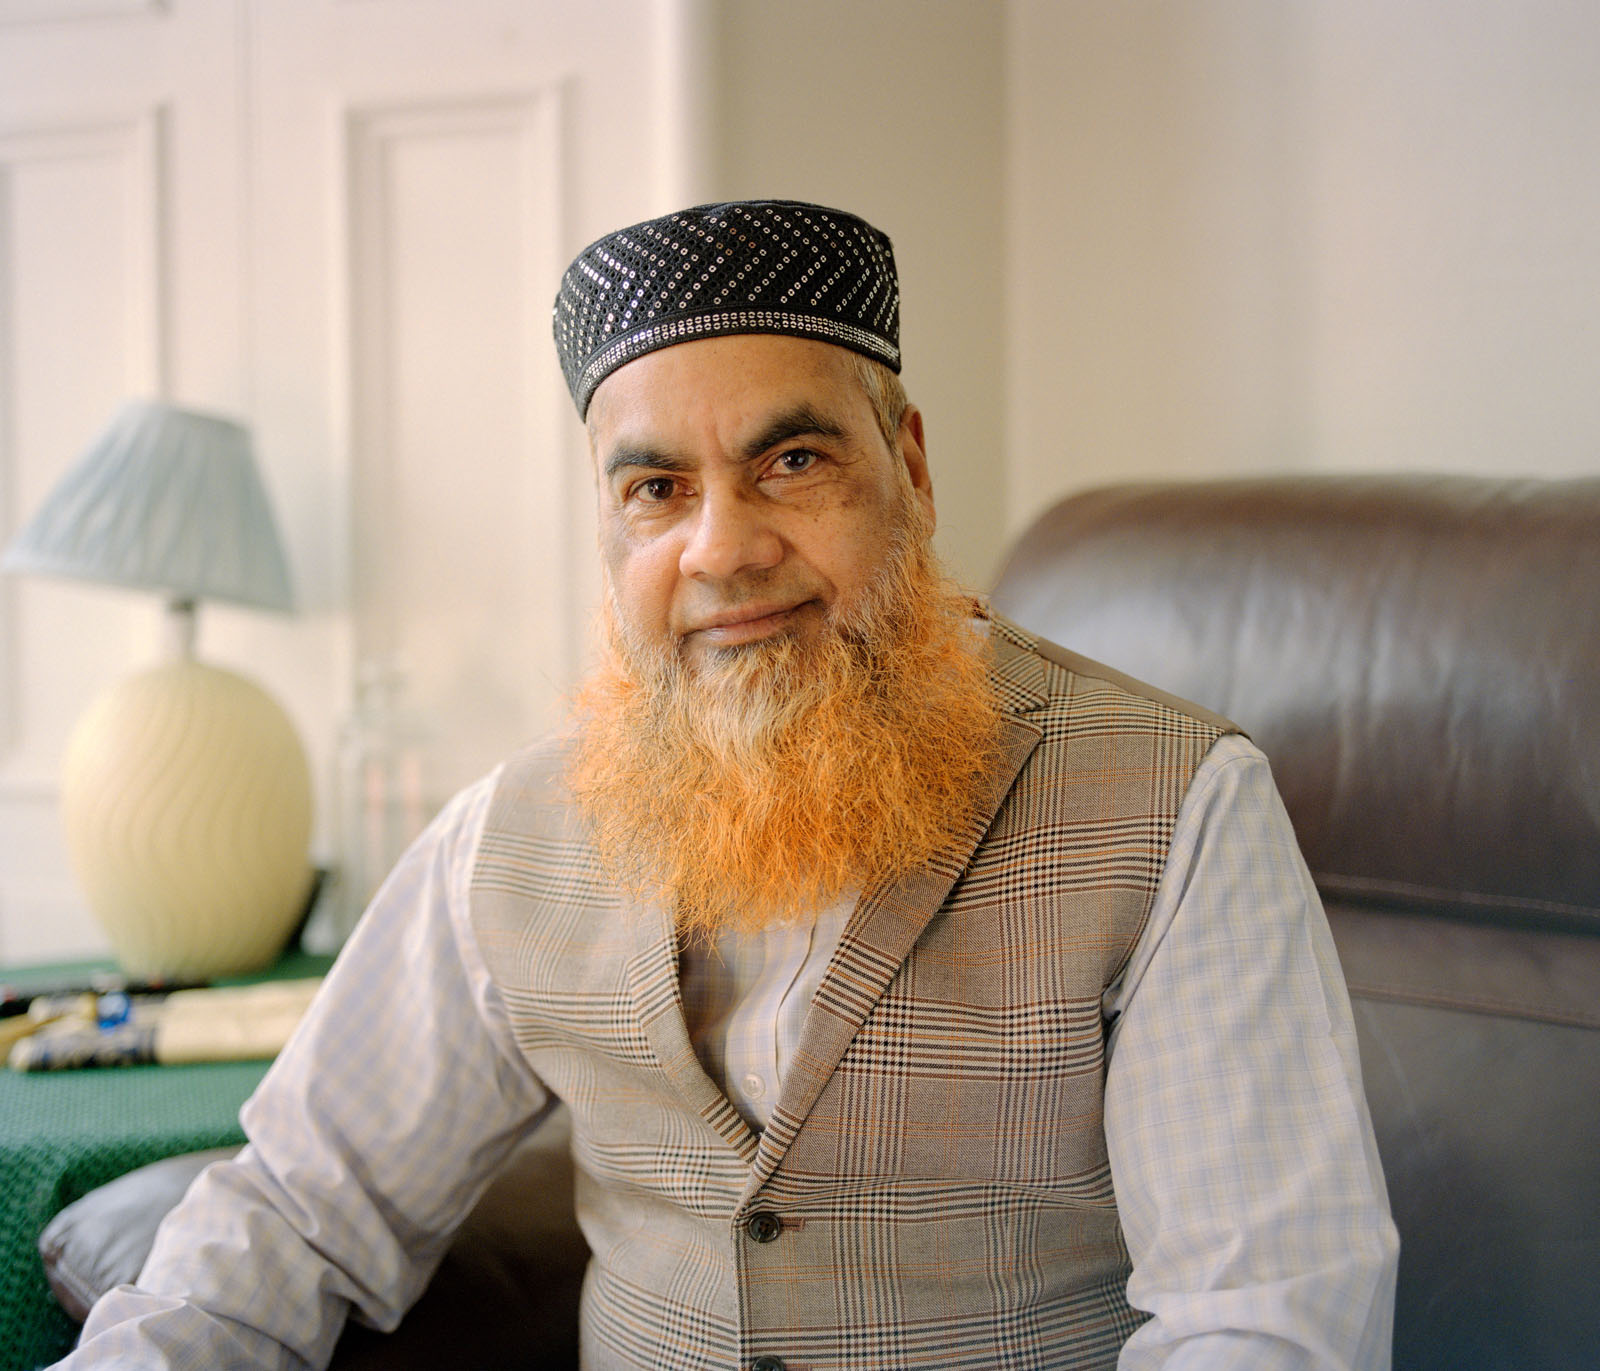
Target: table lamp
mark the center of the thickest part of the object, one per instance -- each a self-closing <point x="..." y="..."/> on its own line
<point x="185" y="791"/>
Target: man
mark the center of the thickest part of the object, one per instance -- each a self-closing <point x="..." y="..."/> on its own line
<point x="923" y="995"/>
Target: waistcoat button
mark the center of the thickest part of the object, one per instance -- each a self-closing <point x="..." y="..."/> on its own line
<point x="767" y="1364"/>
<point x="764" y="1226"/>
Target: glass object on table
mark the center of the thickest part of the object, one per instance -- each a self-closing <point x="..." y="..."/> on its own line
<point x="381" y="790"/>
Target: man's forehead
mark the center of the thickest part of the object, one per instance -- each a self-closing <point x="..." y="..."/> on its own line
<point x="738" y="384"/>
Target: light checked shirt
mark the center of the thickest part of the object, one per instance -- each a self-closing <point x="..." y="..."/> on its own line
<point x="746" y="997"/>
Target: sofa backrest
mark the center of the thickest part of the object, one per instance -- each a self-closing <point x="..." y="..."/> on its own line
<point x="1419" y="657"/>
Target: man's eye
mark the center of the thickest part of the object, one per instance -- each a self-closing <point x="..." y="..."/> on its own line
<point x="796" y="460"/>
<point x="656" y="489"/>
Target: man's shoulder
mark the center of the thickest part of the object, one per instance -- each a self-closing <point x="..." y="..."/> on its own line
<point x="536" y="843"/>
<point x="1043" y="680"/>
<point x="530" y="788"/>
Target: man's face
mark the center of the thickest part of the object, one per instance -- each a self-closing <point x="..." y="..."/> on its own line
<point x="745" y="490"/>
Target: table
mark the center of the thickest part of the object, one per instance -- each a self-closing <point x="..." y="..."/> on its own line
<point x="63" y="1133"/>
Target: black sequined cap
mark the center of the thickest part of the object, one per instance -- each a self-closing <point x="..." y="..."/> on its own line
<point x="752" y="266"/>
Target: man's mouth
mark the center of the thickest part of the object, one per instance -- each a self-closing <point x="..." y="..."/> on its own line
<point x="746" y="624"/>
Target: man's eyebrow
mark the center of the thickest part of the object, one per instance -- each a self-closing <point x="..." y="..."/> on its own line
<point x="801" y="421"/>
<point x="629" y="455"/>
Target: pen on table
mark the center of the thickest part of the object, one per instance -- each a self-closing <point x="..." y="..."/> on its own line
<point x="128" y="1044"/>
<point x="114" y="1029"/>
<point x="86" y="1009"/>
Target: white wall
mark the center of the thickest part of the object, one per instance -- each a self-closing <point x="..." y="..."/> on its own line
<point x="1249" y="235"/>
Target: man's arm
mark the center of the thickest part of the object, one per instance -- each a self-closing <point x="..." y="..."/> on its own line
<point x="370" y="1139"/>
<point x="1246" y="1172"/>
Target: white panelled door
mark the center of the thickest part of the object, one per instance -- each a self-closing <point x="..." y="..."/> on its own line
<point x="341" y="221"/>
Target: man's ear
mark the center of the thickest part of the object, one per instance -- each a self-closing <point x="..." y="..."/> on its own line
<point x="914" y="453"/>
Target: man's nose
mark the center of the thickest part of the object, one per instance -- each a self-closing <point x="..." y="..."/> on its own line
<point x="730" y="534"/>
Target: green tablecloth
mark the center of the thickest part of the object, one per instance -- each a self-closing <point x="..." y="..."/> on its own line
<point x="63" y="1133"/>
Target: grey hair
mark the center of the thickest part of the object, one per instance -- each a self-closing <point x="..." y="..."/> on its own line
<point x="886" y="394"/>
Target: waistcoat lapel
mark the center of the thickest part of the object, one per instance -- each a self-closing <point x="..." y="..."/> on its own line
<point x="653" y="977"/>
<point x="878" y="938"/>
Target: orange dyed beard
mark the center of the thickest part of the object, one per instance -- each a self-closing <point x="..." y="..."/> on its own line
<point x="763" y="785"/>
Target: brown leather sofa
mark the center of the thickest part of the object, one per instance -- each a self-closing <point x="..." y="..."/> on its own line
<point x="1420" y="660"/>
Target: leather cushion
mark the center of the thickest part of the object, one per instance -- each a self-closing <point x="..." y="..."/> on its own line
<point x="101" y="1240"/>
<point x="1487" y="1124"/>
<point x="1416" y="656"/>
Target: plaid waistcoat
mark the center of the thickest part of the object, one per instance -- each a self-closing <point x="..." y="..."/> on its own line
<point x="933" y="1190"/>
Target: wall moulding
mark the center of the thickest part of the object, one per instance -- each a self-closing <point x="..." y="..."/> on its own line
<point x="135" y="144"/>
<point x="453" y="215"/>
<point x="103" y="180"/>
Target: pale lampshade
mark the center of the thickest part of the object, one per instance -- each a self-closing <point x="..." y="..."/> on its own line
<point x="186" y="794"/>
<point x="164" y="499"/>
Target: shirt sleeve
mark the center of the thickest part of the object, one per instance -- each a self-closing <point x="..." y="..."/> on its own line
<point x="1242" y="1154"/>
<point x="370" y="1138"/>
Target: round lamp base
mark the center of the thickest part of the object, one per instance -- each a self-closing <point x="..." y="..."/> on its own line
<point x="186" y="798"/>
